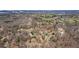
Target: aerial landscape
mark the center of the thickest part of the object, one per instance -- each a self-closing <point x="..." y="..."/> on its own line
<point x="39" y="29"/>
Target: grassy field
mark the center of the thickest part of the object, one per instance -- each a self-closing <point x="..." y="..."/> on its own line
<point x="39" y="31"/>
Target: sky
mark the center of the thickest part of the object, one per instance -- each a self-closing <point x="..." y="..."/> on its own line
<point x="39" y="4"/>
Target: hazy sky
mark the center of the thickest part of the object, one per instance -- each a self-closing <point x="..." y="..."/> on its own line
<point x="39" y="4"/>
